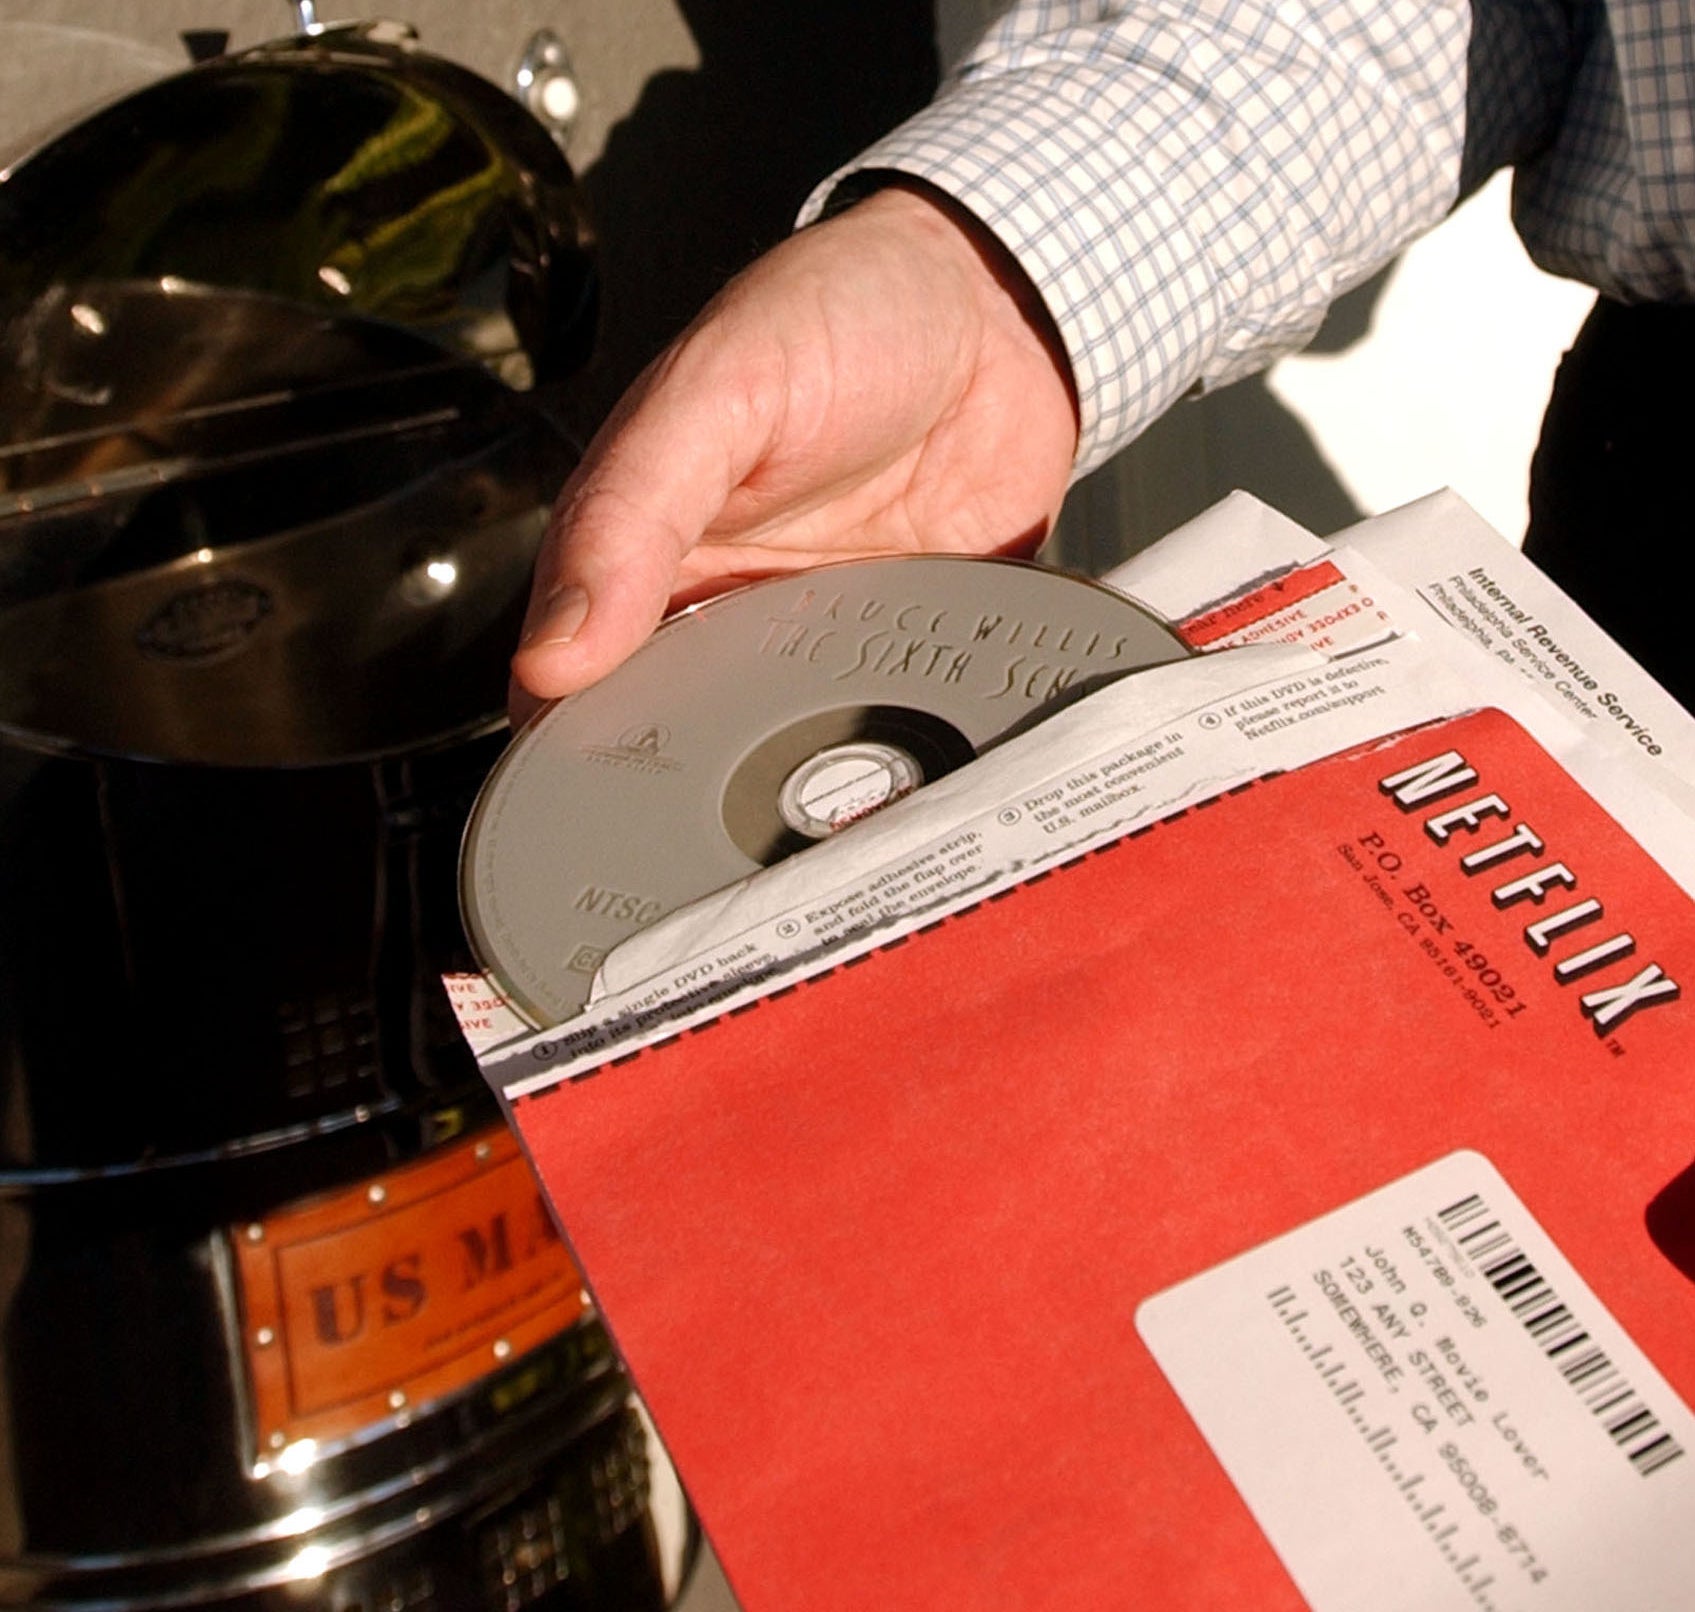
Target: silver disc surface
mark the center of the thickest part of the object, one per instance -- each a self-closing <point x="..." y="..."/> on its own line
<point x="749" y="727"/>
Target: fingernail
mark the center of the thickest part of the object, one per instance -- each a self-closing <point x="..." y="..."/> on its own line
<point x="562" y="616"/>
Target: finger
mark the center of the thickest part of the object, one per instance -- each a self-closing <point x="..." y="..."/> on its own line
<point x="652" y="482"/>
<point x="601" y="586"/>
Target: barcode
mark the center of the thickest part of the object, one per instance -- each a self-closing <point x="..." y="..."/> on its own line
<point x="1560" y="1335"/>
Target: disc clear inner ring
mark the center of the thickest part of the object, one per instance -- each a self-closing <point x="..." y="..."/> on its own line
<point x="844" y="782"/>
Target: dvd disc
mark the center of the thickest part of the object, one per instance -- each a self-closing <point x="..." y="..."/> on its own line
<point x="753" y="725"/>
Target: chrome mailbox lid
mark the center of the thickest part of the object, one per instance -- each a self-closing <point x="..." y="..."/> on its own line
<point x="271" y="471"/>
<point x="347" y="171"/>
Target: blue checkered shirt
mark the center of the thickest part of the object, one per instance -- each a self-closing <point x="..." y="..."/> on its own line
<point x="1189" y="183"/>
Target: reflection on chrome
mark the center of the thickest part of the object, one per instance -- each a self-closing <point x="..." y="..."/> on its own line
<point x="297" y="1457"/>
<point x="302" y="1521"/>
<point x="310" y="1561"/>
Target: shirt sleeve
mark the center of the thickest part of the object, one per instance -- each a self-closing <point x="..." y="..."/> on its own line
<point x="1189" y="183"/>
<point x="1610" y="197"/>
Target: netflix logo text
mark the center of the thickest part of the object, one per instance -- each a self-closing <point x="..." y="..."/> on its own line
<point x="1512" y="860"/>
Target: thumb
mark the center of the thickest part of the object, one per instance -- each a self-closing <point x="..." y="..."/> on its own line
<point x="652" y="481"/>
<point x="602" y="581"/>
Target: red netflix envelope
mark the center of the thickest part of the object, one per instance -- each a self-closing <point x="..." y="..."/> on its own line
<point x="873" y="1248"/>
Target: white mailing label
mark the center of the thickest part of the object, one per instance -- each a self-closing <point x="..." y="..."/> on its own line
<point x="1425" y="1407"/>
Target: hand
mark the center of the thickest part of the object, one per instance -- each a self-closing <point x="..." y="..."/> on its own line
<point x="883" y="382"/>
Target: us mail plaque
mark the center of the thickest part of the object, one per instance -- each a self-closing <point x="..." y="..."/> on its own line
<point x="360" y="1306"/>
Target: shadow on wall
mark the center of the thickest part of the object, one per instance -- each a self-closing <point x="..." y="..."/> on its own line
<point x="711" y="166"/>
<point x="1241" y="436"/>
